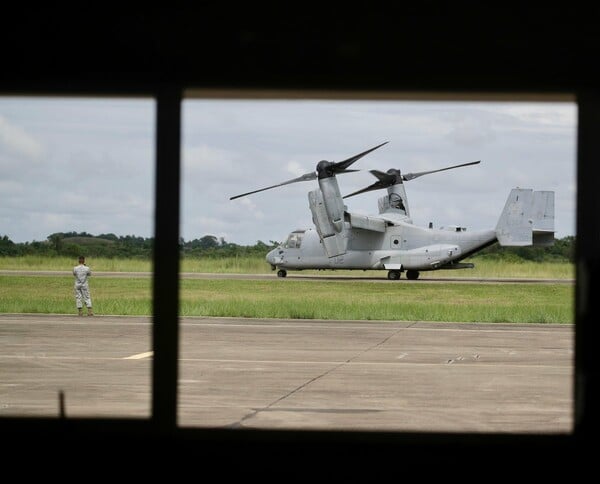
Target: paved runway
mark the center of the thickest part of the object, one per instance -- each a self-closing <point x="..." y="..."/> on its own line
<point x="300" y="374"/>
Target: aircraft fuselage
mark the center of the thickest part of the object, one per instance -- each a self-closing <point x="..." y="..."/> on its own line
<point x="402" y="246"/>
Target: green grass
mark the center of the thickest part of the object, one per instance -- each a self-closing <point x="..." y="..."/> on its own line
<point x="54" y="295"/>
<point x="257" y="265"/>
<point x="288" y="298"/>
<point x="375" y="301"/>
<point x="41" y="263"/>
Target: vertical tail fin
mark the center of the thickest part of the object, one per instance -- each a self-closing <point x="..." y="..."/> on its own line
<point x="527" y="218"/>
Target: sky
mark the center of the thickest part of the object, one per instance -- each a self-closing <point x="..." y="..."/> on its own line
<point x="87" y="164"/>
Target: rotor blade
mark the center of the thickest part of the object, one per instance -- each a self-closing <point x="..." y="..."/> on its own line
<point x="412" y="176"/>
<point x="337" y="168"/>
<point x="305" y="177"/>
<point x="385" y="180"/>
<point x="389" y="178"/>
<point x="375" y="186"/>
<point x="342" y="165"/>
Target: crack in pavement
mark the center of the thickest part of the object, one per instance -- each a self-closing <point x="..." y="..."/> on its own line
<point x="255" y="412"/>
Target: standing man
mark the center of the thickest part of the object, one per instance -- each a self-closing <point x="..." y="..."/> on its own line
<point x="82" y="289"/>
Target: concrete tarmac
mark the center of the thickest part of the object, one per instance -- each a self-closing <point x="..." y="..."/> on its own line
<point x="297" y="374"/>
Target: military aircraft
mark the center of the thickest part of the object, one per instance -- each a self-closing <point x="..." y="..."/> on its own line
<point x="389" y="240"/>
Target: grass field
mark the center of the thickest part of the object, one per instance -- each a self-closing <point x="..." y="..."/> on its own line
<point x="257" y="265"/>
<point x="289" y="298"/>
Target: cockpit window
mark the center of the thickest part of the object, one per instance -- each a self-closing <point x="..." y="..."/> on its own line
<point x="294" y="240"/>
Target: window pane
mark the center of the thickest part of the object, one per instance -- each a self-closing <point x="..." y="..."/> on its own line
<point x="76" y="178"/>
<point x="257" y="352"/>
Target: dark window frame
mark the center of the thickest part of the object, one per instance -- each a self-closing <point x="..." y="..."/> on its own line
<point x="162" y="428"/>
<point x="167" y="218"/>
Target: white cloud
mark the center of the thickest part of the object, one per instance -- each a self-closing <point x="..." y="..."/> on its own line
<point x="472" y="131"/>
<point x="91" y="162"/>
<point x="208" y="160"/>
<point x="17" y="141"/>
<point x="295" y="169"/>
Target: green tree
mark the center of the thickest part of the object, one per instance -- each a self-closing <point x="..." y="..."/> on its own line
<point x="57" y="241"/>
<point x="8" y="247"/>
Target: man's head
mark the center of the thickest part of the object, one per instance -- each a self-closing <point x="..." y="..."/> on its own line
<point x="81" y="259"/>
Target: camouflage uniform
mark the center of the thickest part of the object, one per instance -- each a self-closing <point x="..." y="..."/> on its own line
<point x="82" y="289"/>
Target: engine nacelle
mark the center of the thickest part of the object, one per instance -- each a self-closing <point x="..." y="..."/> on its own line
<point x="334" y="241"/>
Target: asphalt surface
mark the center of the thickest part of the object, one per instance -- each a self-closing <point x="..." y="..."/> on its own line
<point x="300" y="374"/>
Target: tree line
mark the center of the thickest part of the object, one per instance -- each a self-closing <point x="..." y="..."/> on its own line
<point x="73" y="244"/>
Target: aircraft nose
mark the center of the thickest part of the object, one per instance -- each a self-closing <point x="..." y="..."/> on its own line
<point x="271" y="257"/>
<point x="275" y="257"/>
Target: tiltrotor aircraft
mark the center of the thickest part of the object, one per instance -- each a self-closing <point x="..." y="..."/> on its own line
<point x="390" y="241"/>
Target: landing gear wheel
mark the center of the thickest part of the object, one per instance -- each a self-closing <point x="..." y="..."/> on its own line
<point x="394" y="275"/>
<point x="412" y="275"/>
<point x="281" y="273"/>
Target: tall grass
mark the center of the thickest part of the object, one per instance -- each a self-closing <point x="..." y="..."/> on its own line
<point x="484" y="268"/>
<point x="59" y="263"/>
<point x="226" y="265"/>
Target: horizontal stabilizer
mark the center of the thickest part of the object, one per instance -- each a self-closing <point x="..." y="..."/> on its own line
<point x="543" y="218"/>
<point x="527" y="219"/>
<point x="543" y="212"/>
